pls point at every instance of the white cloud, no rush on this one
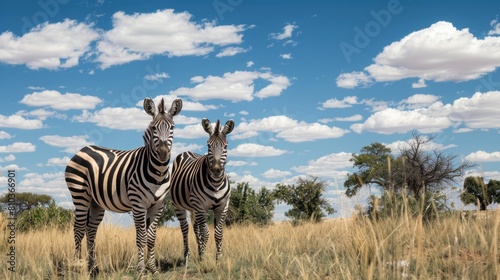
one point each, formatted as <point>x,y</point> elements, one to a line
<point>18,147</point>
<point>56,100</point>
<point>72,144</point>
<point>117,118</point>
<point>6,169</point>
<point>391,121</point>
<point>496,27</point>
<point>478,112</point>
<point>347,102</point>
<point>17,121</point>
<point>236,86</point>
<point>159,77</point>
<point>42,114</point>
<point>250,63</point>
<point>179,147</point>
<point>310,132</point>
<point>482,156</point>
<point>10,157</point>
<point>286,55</point>
<point>231,51</point>
<point>420,100</point>
<point>439,53</point>
<point>5,135</point>
<point>190,132</point>
<point>419,84</point>
<point>331,165</point>
<point>287,32</point>
<point>273,173</point>
<point>353,79</point>
<point>57,161</point>
<point>353,118</point>
<point>254,182</point>
<point>164,32</point>
<point>255,150</point>
<point>49,183</point>
<point>51,46</point>
<point>238,163</point>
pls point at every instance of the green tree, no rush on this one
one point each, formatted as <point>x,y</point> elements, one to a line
<point>168,213</point>
<point>248,206</point>
<point>20,202</point>
<point>477,192</point>
<point>305,198</point>
<point>372,164</point>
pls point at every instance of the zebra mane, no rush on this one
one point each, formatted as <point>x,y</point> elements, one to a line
<point>216,128</point>
<point>161,107</point>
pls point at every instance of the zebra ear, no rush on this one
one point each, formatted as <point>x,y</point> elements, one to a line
<point>228,127</point>
<point>176,107</point>
<point>217,127</point>
<point>149,107</point>
<point>207,126</point>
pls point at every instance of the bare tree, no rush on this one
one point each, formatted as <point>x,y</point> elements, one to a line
<point>423,169</point>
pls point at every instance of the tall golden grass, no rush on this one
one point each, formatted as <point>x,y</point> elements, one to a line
<point>452,247</point>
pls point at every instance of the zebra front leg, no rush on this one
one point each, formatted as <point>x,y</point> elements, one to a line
<point>184,225</point>
<point>153,215</point>
<point>81,216</point>
<point>94,218</point>
<point>219,219</point>
<point>203,232</point>
<point>139,215</point>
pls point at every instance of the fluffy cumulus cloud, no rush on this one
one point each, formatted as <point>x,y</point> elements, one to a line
<point>59,101</point>
<point>425,113</point>
<point>419,100</point>
<point>273,173</point>
<point>164,32</point>
<point>231,51</point>
<point>347,102</point>
<point>18,147</point>
<point>288,129</point>
<point>438,53</point>
<point>51,46</point>
<point>255,150</point>
<point>72,144</point>
<point>305,132</point>
<point>235,86</point>
<point>17,121</point>
<point>482,156</point>
<point>331,166</point>
<point>392,120</point>
<point>49,183</point>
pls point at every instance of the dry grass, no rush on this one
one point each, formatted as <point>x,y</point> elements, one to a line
<point>454,247</point>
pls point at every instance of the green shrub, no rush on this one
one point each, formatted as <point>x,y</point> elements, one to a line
<point>44,217</point>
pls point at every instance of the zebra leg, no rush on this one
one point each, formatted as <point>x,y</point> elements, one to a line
<point>220,216</point>
<point>153,215</point>
<point>139,215</point>
<point>182,217</point>
<point>203,232</point>
<point>81,216</point>
<point>95,216</point>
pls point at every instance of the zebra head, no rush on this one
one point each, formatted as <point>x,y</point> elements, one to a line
<point>160,133</point>
<point>217,145</point>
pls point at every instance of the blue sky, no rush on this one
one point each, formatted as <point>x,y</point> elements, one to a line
<point>307,83</point>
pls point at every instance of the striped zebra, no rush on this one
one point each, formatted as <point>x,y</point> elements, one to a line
<point>199,184</point>
<point>137,180</point>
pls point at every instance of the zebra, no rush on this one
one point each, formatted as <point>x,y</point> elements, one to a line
<point>136,180</point>
<point>199,183</point>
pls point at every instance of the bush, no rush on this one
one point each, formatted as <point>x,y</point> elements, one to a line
<point>39,217</point>
<point>399,204</point>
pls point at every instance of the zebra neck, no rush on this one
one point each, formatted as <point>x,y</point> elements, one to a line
<point>211,181</point>
<point>157,170</point>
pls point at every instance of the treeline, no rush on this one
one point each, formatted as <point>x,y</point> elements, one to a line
<point>411,181</point>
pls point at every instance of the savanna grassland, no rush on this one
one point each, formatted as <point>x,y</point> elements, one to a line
<point>453,247</point>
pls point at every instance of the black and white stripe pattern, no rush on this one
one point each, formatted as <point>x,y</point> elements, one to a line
<point>199,184</point>
<point>137,180</point>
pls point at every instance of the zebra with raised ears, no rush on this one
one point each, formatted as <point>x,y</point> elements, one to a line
<point>137,180</point>
<point>199,184</point>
